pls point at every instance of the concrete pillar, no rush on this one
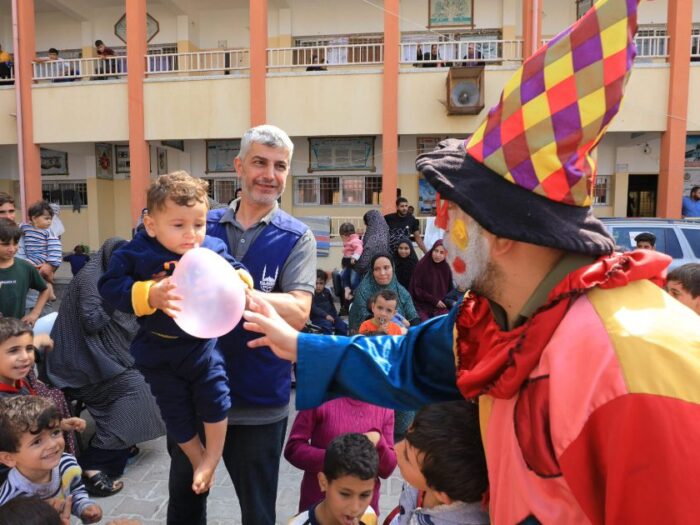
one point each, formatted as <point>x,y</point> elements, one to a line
<point>258,62</point>
<point>672,161</point>
<point>136,64</point>
<point>390,105</point>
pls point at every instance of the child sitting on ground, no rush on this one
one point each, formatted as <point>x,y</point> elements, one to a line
<point>323,312</point>
<point>41,247</point>
<point>350,468</point>
<point>383,306</point>
<point>187,375</point>
<point>77,259</point>
<point>683,283</point>
<point>31,444</point>
<point>314,429</point>
<point>352,250</point>
<point>443,464</point>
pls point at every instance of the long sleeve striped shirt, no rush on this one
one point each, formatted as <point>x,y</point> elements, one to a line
<point>41,246</point>
<point>66,480</point>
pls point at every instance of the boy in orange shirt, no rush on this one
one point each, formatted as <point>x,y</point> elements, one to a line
<point>383,305</point>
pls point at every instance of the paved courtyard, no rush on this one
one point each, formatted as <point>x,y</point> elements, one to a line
<point>145,494</point>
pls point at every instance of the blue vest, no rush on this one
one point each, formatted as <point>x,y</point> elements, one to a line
<point>257,376</point>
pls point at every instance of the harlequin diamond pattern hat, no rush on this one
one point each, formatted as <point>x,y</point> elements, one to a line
<point>527,172</point>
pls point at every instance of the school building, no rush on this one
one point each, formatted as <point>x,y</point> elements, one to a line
<point>361,86</point>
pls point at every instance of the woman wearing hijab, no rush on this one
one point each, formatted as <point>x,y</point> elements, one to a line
<point>431,282</point>
<point>91,363</point>
<point>382,276</point>
<point>405,261</point>
<point>374,241</point>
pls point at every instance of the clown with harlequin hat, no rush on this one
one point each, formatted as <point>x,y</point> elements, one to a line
<point>587,374</point>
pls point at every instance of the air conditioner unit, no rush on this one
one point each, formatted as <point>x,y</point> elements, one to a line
<point>465,90</point>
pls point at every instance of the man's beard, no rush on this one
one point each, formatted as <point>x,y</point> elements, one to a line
<point>259,198</point>
<point>482,274</point>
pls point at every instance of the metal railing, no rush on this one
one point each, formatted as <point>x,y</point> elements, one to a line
<point>80,68</point>
<point>216,61</point>
<point>359,224</point>
<point>460,52</point>
<point>320,58</point>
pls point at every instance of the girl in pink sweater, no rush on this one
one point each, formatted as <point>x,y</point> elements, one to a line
<point>314,429</point>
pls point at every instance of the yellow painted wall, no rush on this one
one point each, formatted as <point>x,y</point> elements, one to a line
<point>326,104</point>
<point>202,108</point>
<point>122,205</point>
<point>78,228</point>
<point>693,123</point>
<point>422,94</point>
<point>8,120</point>
<point>81,112</point>
<point>645,104</point>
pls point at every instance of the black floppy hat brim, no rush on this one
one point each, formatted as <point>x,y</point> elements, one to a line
<point>508,210</point>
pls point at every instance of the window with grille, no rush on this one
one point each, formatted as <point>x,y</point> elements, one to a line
<point>223,190</point>
<point>65,193</point>
<point>347,190</point>
<point>582,6</point>
<point>602,193</point>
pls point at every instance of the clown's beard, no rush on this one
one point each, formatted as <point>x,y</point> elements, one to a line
<point>482,274</point>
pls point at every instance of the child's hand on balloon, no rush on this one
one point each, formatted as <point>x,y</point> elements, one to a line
<point>162,296</point>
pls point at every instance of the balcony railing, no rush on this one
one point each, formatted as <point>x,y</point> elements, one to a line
<point>461,52</point>
<point>80,68</point>
<point>220,61</point>
<point>320,58</point>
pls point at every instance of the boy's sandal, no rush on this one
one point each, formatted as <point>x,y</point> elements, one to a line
<point>101,485</point>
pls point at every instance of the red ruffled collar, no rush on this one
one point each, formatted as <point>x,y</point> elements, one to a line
<point>495,362</point>
<point>21,388</point>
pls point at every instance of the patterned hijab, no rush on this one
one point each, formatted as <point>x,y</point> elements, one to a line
<point>374,241</point>
<point>91,340</point>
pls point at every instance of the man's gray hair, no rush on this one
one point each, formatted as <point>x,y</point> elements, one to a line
<point>267,135</point>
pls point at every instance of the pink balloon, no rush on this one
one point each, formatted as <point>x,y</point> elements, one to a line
<point>213,296</point>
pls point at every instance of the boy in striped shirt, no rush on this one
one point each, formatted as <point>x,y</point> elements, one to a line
<point>31,444</point>
<point>41,247</point>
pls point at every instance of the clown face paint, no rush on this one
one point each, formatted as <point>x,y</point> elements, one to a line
<point>468,253</point>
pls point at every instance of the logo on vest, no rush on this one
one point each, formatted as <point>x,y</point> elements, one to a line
<point>267,283</point>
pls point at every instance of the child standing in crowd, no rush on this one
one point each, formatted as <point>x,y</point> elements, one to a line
<point>77,259</point>
<point>314,429</point>
<point>352,250</point>
<point>383,306</point>
<point>323,312</point>
<point>41,246</point>
<point>683,284</point>
<point>350,468</point>
<point>31,444</point>
<point>187,375</point>
<point>443,464</point>
<point>17,277</point>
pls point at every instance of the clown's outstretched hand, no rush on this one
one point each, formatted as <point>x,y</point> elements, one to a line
<point>262,318</point>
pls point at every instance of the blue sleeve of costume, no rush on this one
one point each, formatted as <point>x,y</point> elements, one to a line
<point>402,372</point>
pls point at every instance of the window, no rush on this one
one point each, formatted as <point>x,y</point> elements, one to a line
<point>693,237</point>
<point>602,192</point>
<point>350,190</point>
<point>223,190</point>
<point>65,193</point>
<point>666,239</point>
<point>341,153</point>
<point>582,6</point>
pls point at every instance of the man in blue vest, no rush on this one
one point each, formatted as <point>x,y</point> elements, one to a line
<point>280,253</point>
